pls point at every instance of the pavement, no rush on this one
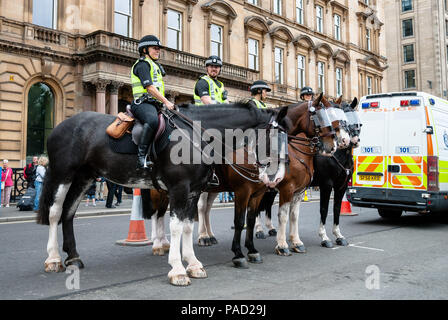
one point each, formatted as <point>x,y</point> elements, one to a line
<point>13,214</point>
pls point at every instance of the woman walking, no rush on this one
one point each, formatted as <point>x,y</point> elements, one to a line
<point>40,174</point>
<point>6,184</point>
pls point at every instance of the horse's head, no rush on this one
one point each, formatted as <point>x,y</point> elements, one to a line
<point>311,118</point>
<point>339,122</point>
<point>354,122</point>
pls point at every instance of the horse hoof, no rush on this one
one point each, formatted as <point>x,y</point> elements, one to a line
<point>181,280</point>
<point>282,252</point>
<point>299,249</point>
<point>254,258</point>
<point>74,262</point>
<point>166,247</point>
<point>213,240</point>
<point>158,251</point>
<point>272,232</point>
<point>240,263</point>
<point>54,267</point>
<point>198,273</point>
<point>204,242</point>
<point>260,235</point>
<point>341,242</point>
<point>327,244</point>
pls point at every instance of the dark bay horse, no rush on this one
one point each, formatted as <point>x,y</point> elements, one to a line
<point>79,151</point>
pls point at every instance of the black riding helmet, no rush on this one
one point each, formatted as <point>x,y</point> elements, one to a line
<point>213,61</point>
<point>258,86</point>
<point>148,41</point>
<point>306,90</point>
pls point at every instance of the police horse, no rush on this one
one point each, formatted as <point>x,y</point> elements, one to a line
<point>79,150</point>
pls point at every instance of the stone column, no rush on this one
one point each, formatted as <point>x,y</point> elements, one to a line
<point>114,86</point>
<point>101,85</point>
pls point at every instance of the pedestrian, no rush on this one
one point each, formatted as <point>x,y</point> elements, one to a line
<point>7,183</point>
<point>99,190</point>
<point>223,197</point>
<point>91,194</point>
<point>112,188</point>
<point>40,175</point>
<point>231,196</point>
<point>29,172</point>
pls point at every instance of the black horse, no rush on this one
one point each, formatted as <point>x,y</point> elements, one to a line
<point>79,150</point>
<point>334,173</point>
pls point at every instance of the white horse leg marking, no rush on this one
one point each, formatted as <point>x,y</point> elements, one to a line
<point>195,268</point>
<point>337,232</point>
<point>153,229</point>
<point>159,245</point>
<point>55,215</point>
<point>202,208</point>
<point>210,199</point>
<point>163,238</point>
<point>178,274</point>
<point>268,223</point>
<point>282,222</point>
<point>323,233</point>
<point>258,226</point>
<point>294,220</point>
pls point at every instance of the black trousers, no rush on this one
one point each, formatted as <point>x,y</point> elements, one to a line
<point>146,113</point>
<point>112,188</point>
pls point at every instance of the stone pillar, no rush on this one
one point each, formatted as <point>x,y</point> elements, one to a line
<point>114,86</point>
<point>101,85</point>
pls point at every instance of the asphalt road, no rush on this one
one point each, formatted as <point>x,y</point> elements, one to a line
<point>404,259</point>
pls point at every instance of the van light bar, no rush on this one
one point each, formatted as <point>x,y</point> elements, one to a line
<point>406,103</point>
<point>365,105</point>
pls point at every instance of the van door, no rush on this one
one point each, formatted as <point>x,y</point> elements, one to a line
<point>406,161</point>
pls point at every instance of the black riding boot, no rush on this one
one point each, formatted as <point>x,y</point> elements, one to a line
<point>145,141</point>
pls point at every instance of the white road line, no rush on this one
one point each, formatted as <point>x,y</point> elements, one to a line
<point>357,245</point>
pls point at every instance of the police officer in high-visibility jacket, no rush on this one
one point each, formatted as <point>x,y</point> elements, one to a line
<point>148,90</point>
<point>208,89</point>
<point>259,91</point>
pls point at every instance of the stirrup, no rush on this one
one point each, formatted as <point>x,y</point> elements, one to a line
<point>214,181</point>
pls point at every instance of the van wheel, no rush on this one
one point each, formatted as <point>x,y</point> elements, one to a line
<point>390,213</point>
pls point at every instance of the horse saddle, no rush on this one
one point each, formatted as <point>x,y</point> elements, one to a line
<point>129,141</point>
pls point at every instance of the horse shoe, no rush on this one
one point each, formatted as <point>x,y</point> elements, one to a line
<point>260,235</point>
<point>299,249</point>
<point>282,252</point>
<point>74,262</point>
<point>254,258</point>
<point>341,242</point>
<point>272,232</point>
<point>327,244</point>
<point>240,263</point>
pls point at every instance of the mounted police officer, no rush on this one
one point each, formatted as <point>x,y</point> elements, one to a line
<point>259,91</point>
<point>148,90</point>
<point>306,94</point>
<point>208,89</point>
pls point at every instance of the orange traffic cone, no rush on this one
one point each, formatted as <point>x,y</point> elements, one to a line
<point>346,208</point>
<point>137,234</point>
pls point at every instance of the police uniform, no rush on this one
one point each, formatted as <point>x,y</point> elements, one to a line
<point>257,88</point>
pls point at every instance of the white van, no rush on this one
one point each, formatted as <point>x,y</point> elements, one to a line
<point>402,160</point>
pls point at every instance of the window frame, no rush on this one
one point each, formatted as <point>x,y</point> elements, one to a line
<point>413,53</point>
<point>408,10</point>
<point>129,19</point>
<point>221,47</point>
<point>321,77</point>
<point>301,72</point>
<point>256,55</point>
<point>339,81</point>
<point>300,12</point>
<point>368,39</point>
<point>54,22</point>
<point>279,5</point>
<point>281,66</point>
<point>179,39</point>
<point>319,19</point>
<point>406,87</point>
<point>337,28</point>
<point>369,83</point>
<point>402,27</point>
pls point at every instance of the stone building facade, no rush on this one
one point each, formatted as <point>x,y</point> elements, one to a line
<point>418,46</point>
<point>62,57</point>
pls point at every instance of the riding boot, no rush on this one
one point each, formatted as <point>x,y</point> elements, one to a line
<point>145,141</point>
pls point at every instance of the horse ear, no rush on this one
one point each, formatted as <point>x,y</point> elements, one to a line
<point>339,100</point>
<point>325,102</point>
<point>318,99</point>
<point>354,103</point>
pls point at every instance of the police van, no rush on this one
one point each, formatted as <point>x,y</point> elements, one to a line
<point>401,163</point>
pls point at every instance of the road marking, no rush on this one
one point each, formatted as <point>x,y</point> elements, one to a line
<point>356,245</point>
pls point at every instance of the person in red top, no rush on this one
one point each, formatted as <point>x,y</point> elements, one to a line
<point>29,172</point>
<point>6,184</point>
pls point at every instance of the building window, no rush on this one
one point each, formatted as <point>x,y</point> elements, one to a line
<point>253,54</point>
<point>321,76</point>
<point>406,5</point>
<point>338,82</point>
<point>408,53</point>
<point>299,11</point>
<point>278,61</point>
<point>369,85</point>
<point>41,105</point>
<point>409,79</point>
<point>368,40</point>
<point>123,17</point>
<point>446,28</point>
<point>278,7</point>
<point>254,2</point>
<point>367,2</point>
<point>408,30</point>
<point>319,19</point>
<point>45,13</point>
<point>216,40</point>
<point>174,32</point>
<point>300,71</point>
<point>337,27</point>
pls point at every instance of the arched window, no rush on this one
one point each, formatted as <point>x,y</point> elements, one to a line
<point>41,103</point>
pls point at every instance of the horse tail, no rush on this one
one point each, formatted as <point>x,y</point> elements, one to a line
<point>147,205</point>
<point>46,200</point>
